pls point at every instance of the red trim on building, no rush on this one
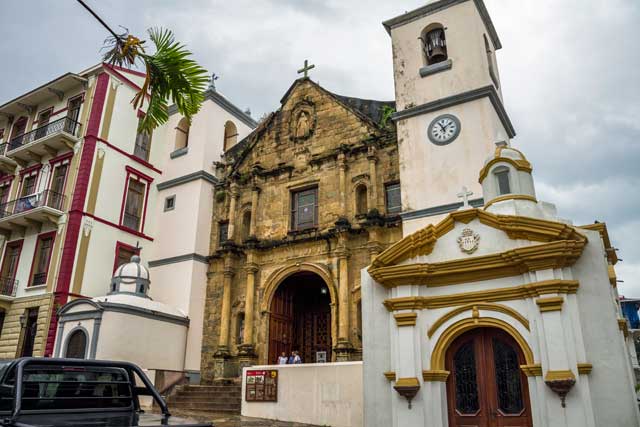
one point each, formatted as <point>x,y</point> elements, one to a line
<point>120,245</point>
<point>139,176</point>
<point>131,156</point>
<point>30,169</point>
<point>35,254</point>
<point>77,206</point>
<point>127,70</point>
<point>119,75</point>
<point>6,178</point>
<point>19,243</point>
<point>61,158</point>
<point>119,227</point>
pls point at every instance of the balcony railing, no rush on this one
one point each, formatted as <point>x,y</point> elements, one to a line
<point>8,286</point>
<point>39,279</point>
<point>64,124</point>
<point>23,204</point>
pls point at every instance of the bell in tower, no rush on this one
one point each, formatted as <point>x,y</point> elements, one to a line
<point>435,46</point>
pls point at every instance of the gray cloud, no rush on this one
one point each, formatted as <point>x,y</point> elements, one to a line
<point>568,69</point>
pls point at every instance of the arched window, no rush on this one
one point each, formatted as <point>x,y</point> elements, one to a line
<point>361,199</point>
<point>182,134</point>
<point>76,345</point>
<point>502,180</point>
<point>230,135</point>
<point>246,224</point>
<point>434,44</point>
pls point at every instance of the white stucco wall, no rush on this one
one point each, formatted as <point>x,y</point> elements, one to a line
<point>149,343</point>
<point>464,31</point>
<point>327,394</point>
<point>584,331</point>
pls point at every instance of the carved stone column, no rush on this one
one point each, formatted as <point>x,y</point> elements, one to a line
<point>343,347</point>
<point>247,349</point>
<point>373,178</point>
<point>254,210</point>
<point>222,354</point>
<point>233,192</point>
<point>342,164</point>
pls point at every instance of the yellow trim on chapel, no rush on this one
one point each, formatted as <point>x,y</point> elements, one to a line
<point>534,370</point>
<point>561,375</point>
<point>550,304</point>
<point>510,263</point>
<point>423,241</point>
<point>406,319</point>
<point>529,290</point>
<point>439,376</point>
<point>585,368</point>
<point>521,165</point>
<point>389,375</point>
<point>462,326</point>
<point>475,307</point>
<point>510,197</point>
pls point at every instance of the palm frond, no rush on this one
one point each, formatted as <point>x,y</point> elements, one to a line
<point>171,75</point>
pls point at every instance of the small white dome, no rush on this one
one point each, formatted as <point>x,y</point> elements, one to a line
<point>504,151</point>
<point>131,278</point>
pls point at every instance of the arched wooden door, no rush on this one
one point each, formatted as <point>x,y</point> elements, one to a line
<point>486,387</point>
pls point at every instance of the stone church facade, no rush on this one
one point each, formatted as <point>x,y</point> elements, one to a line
<point>302,206</point>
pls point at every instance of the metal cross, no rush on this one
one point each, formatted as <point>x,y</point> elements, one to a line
<point>212,81</point>
<point>306,68</point>
<point>464,195</point>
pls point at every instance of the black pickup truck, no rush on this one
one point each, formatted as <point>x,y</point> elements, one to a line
<point>39,392</point>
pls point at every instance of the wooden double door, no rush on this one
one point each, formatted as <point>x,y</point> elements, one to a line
<point>300,319</point>
<point>486,387</point>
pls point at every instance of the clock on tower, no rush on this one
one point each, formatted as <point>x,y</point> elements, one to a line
<point>449,105</point>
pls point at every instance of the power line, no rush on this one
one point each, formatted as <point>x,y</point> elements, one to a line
<point>95,15</point>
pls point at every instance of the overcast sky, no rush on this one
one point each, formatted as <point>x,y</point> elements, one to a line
<point>569,69</point>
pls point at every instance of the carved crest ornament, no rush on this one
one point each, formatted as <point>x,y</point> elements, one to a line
<point>468,241</point>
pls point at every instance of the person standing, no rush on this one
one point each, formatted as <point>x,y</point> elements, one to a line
<point>296,358</point>
<point>282,360</point>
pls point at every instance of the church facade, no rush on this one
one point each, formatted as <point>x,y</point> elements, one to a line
<point>303,204</point>
<point>500,312</point>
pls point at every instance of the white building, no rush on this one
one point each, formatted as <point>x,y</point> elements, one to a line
<point>81,192</point>
<point>502,314</point>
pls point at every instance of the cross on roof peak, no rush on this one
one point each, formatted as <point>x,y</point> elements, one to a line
<point>464,195</point>
<point>306,68</point>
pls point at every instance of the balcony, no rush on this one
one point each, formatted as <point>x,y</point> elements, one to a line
<point>7,165</point>
<point>8,287</point>
<point>46,206</point>
<point>48,139</point>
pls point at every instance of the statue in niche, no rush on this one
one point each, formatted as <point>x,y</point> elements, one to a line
<point>303,127</point>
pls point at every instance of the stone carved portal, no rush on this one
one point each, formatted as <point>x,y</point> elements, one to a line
<point>303,120</point>
<point>486,386</point>
<point>300,318</point>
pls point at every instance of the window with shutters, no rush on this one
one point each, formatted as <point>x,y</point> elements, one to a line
<point>223,232</point>
<point>29,184</point>
<point>124,252</point>
<point>58,181</point>
<point>393,198</point>
<point>142,147</point>
<point>304,209</point>
<point>41,260</point>
<point>134,203</point>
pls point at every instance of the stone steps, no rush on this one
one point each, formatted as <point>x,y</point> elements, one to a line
<point>224,398</point>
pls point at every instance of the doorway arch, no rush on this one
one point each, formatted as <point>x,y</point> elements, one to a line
<point>486,385</point>
<point>76,345</point>
<point>301,317</point>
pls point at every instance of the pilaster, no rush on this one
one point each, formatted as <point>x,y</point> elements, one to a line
<point>343,347</point>
<point>233,192</point>
<point>247,354</point>
<point>255,196</point>
<point>373,178</point>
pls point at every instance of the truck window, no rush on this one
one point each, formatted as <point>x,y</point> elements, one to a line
<point>68,388</point>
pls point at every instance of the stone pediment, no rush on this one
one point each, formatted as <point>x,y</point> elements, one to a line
<point>312,123</point>
<point>552,245</point>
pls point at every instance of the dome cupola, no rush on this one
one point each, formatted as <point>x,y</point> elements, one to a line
<point>506,175</point>
<point>131,278</point>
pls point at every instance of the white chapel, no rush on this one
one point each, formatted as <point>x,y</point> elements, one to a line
<point>492,311</point>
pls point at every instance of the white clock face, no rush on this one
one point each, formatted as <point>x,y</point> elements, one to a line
<point>444,129</point>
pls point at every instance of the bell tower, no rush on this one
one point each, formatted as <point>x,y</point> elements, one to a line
<point>449,104</point>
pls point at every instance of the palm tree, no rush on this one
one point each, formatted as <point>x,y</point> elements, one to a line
<point>170,75</point>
